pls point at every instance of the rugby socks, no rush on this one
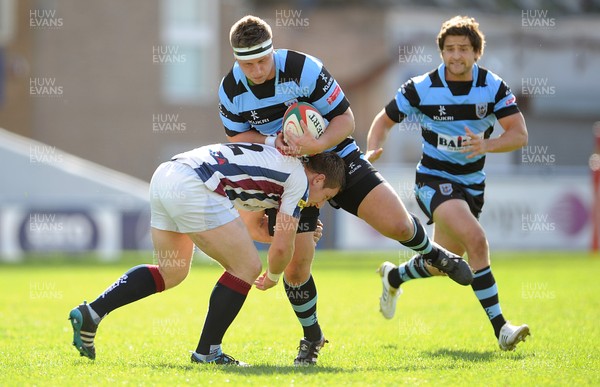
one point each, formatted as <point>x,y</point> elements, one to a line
<point>420,241</point>
<point>304,302</point>
<point>226,300</point>
<point>137,283</point>
<point>486,291</point>
<point>412,269</point>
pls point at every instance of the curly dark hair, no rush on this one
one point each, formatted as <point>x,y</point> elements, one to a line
<point>463,26</point>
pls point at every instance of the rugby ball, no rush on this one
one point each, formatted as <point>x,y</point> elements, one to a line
<point>307,113</point>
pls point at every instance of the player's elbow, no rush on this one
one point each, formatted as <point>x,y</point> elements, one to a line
<point>350,124</point>
<point>524,139</point>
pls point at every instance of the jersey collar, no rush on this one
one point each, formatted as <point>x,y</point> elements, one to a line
<point>442,74</point>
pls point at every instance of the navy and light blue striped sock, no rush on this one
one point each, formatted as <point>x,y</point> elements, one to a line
<point>420,242</point>
<point>412,269</point>
<point>304,302</point>
<point>486,291</point>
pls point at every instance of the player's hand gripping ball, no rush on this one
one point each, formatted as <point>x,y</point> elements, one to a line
<point>307,113</point>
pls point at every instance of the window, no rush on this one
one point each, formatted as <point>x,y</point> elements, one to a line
<point>189,51</point>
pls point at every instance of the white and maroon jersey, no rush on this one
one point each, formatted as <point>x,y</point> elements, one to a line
<point>254,177</point>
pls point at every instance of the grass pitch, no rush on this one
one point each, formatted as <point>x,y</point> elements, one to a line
<point>439,336</point>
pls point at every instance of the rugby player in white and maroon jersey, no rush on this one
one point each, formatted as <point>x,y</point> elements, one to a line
<point>194,199</point>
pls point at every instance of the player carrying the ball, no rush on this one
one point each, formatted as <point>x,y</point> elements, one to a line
<point>253,98</point>
<point>457,105</point>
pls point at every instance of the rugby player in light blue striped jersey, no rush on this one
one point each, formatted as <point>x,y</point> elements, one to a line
<point>456,105</point>
<point>253,98</point>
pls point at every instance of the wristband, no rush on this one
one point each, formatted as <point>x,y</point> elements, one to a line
<point>273,277</point>
<point>270,141</point>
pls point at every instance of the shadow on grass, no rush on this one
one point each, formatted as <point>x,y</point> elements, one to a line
<point>473,356</point>
<point>254,369</point>
<point>458,357</point>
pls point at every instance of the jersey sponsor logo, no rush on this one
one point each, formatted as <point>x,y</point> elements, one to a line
<point>327,80</point>
<point>511,100</point>
<point>334,95</point>
<point>222,111</point>
<point>443,115</point>
<point>353,167</point>
<point>219,157</point>
<point>481,110</point>
<point>446,189</point>
<point>301,203</point>
<point>290,102</point>
<point>256,120</point>
<point>451,143</point>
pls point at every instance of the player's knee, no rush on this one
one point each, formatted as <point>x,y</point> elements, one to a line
<point>402,230</point>
<point>255,268</point>
<point>174,275</point>
<point>247,269</point>
<point>480,241</point>
<point>478,245</point>
<point>295,274</point>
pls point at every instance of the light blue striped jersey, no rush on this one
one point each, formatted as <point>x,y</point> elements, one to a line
<point>299,77</point>
<point>443,109</point>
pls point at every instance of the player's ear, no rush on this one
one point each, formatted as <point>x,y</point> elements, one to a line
<point>319,179</point>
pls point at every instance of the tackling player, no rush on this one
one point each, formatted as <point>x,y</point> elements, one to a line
<point>193,200</point>
<point>253,98</point>
<point>457,105</point>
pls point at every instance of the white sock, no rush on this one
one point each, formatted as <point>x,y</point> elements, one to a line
<point>214,352</point>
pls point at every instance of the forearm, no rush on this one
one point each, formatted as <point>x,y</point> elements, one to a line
<point>507,142</point>
<point>278,259</point>
<point>339,128</point>
<point>282,244</point>
<point>514,137</point>
<point>377,136</point>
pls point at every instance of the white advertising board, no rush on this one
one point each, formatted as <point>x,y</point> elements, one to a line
<point>520,213</point>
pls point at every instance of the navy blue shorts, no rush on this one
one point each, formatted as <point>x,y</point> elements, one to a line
<point>431,191</point>
<point>308,220</point>
<point>361,178</point>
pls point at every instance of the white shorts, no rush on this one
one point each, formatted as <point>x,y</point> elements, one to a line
<point>181,202</point>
